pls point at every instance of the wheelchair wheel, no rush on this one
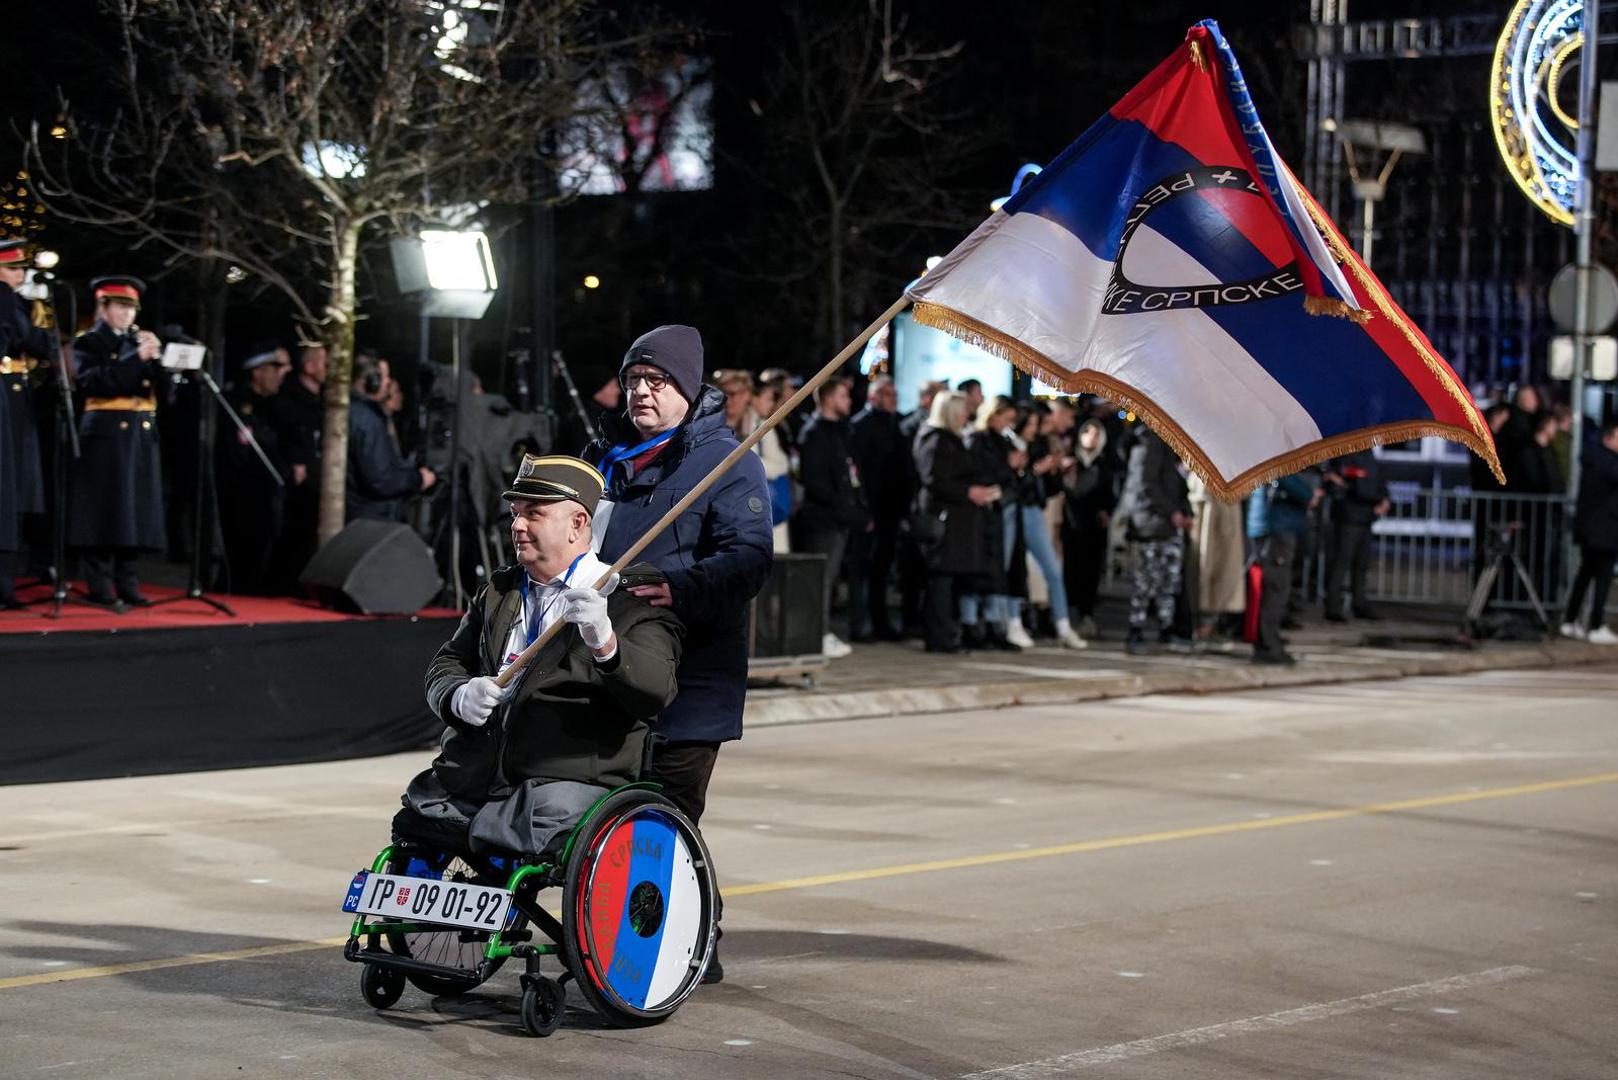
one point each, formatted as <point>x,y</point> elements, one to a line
<point>543,1003</point>
<point>380,986</point>
<point>638,909</point>
<point>449,947</point>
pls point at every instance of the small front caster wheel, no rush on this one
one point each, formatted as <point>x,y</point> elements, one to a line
<point>543,1001</point>
<point>381,986</point>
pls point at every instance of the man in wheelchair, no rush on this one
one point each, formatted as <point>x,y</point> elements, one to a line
<point>519,766</point>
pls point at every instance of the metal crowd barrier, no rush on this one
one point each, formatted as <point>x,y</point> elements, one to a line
<point>1432,544</point>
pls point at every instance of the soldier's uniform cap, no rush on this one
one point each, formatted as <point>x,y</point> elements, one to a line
<point>118,287</point>
<point>553,477</point>
<point>14,253</point>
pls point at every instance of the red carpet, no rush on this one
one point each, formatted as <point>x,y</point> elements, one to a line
<point>250,610</point>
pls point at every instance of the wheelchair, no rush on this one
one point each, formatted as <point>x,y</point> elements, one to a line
<point>636,931</point>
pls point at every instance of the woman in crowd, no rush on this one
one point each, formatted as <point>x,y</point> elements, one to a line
<point>989,614</point>
<point>950,522</point>
<point>1037,485</point>
<point>746,405</point>
<point>1091,487</point>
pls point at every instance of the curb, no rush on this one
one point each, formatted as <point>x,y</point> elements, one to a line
<point>812,708</point>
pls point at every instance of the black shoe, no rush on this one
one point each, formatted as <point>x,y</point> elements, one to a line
<point>1135,643</point>
<point>994,639</point>
<point>134,599</point>
<point>950,649</point>
<point>971,637</point>
<point>1336,617</point>
<point>863,638</point>
<point>715,971</point>
<point>1291,623</point>
<point>888,633</point>
<point>105,600</point>
<point>1275,659</point>
<point>1368,614</point>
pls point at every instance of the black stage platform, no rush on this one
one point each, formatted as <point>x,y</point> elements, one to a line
<point>128,697</point>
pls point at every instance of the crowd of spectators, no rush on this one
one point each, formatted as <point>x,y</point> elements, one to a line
<point>975,523</point>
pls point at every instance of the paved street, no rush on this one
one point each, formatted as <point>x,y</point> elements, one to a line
<point>1410,878</point>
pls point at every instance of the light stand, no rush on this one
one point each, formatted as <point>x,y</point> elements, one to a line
<point>453,274</point>
<point>67,442</point>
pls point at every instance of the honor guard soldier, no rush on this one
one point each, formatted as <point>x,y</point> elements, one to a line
<point>116,505</point>
<point>23,347</point>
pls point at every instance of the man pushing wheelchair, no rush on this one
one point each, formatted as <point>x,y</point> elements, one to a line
<point>536,785</point>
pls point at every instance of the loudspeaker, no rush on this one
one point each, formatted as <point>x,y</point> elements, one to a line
<point>374,567</point>
<point>787,617</point>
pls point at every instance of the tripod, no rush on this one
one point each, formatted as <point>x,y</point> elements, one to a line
<point>1503,556</point>
<point>205,442</point>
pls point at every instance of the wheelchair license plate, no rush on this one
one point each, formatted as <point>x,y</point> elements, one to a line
<point>452,903</point>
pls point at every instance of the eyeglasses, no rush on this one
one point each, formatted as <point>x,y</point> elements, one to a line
<point>654,380</point>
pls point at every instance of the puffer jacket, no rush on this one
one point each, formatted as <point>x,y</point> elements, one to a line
<point>716,556</point>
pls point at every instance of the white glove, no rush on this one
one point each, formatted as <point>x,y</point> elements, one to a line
<point>473,701</point>
<point>587,609</point>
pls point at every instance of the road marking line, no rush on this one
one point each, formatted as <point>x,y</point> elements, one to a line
<point>1111,842</point>
<point>1253,1025</point>
<point>189,960</point>
<point>1104,844</point>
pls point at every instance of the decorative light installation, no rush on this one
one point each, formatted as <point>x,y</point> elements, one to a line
<point>1537,136</point>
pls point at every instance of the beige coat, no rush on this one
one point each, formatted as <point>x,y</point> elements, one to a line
<point>1216,552</point>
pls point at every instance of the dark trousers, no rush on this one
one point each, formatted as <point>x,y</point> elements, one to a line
<point>684,769</point>
<point>1084,558</point>
<point>1595,570</point>
<point>870,561</point>
<point>1277,553</point>
<point>110,571</point>
<point>1348,549</point>
<point>832,543</point>
<point>912,583</point>
<point>938,611</point>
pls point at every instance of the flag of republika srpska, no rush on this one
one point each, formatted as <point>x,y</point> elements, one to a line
<point>1169,261</point>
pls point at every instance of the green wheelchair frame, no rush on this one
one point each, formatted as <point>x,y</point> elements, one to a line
<point>386,971</point>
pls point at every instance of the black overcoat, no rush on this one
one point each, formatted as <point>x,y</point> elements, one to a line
<point>116,495</point>
<point>945,472</point>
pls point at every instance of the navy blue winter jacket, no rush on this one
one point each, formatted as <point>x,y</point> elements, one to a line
<point>716,557</point>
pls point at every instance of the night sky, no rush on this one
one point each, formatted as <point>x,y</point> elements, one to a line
<point>1031,77</point>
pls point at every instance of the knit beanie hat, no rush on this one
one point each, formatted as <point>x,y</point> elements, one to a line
<point>675,349</point>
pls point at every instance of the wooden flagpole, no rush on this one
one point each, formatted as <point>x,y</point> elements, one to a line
<point>832,366</point>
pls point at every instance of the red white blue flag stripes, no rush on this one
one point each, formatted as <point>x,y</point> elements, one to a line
<point>1170,261</point>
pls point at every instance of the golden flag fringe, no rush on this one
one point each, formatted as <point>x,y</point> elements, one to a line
<point>1039,366</point>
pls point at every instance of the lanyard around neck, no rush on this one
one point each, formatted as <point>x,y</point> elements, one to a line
<point>624,452</point>
<point>531,626</point>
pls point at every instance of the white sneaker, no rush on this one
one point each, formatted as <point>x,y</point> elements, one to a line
<point>1067,638</point>
<point>1017,634</point>
<point>1602,636</point>
<point>835,647</point>
<point>1573,630</point>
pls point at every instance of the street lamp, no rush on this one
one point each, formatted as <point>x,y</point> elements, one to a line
<point>1375,137</point>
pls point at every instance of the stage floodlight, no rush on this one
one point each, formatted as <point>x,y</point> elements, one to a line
<point>452,271</point>
<point>46,260</point>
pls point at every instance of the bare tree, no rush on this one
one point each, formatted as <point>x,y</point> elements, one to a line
<point>862,146</point>
<point>271,136</point>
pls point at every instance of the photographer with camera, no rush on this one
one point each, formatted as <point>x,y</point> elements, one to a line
<point>379,476</point>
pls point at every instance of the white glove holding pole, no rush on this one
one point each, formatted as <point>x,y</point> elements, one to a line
<point>587,609</point>
<point>473,701</point>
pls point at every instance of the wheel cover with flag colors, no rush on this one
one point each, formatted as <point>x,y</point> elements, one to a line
<point>1169,261</point>
<point>644,916</point>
